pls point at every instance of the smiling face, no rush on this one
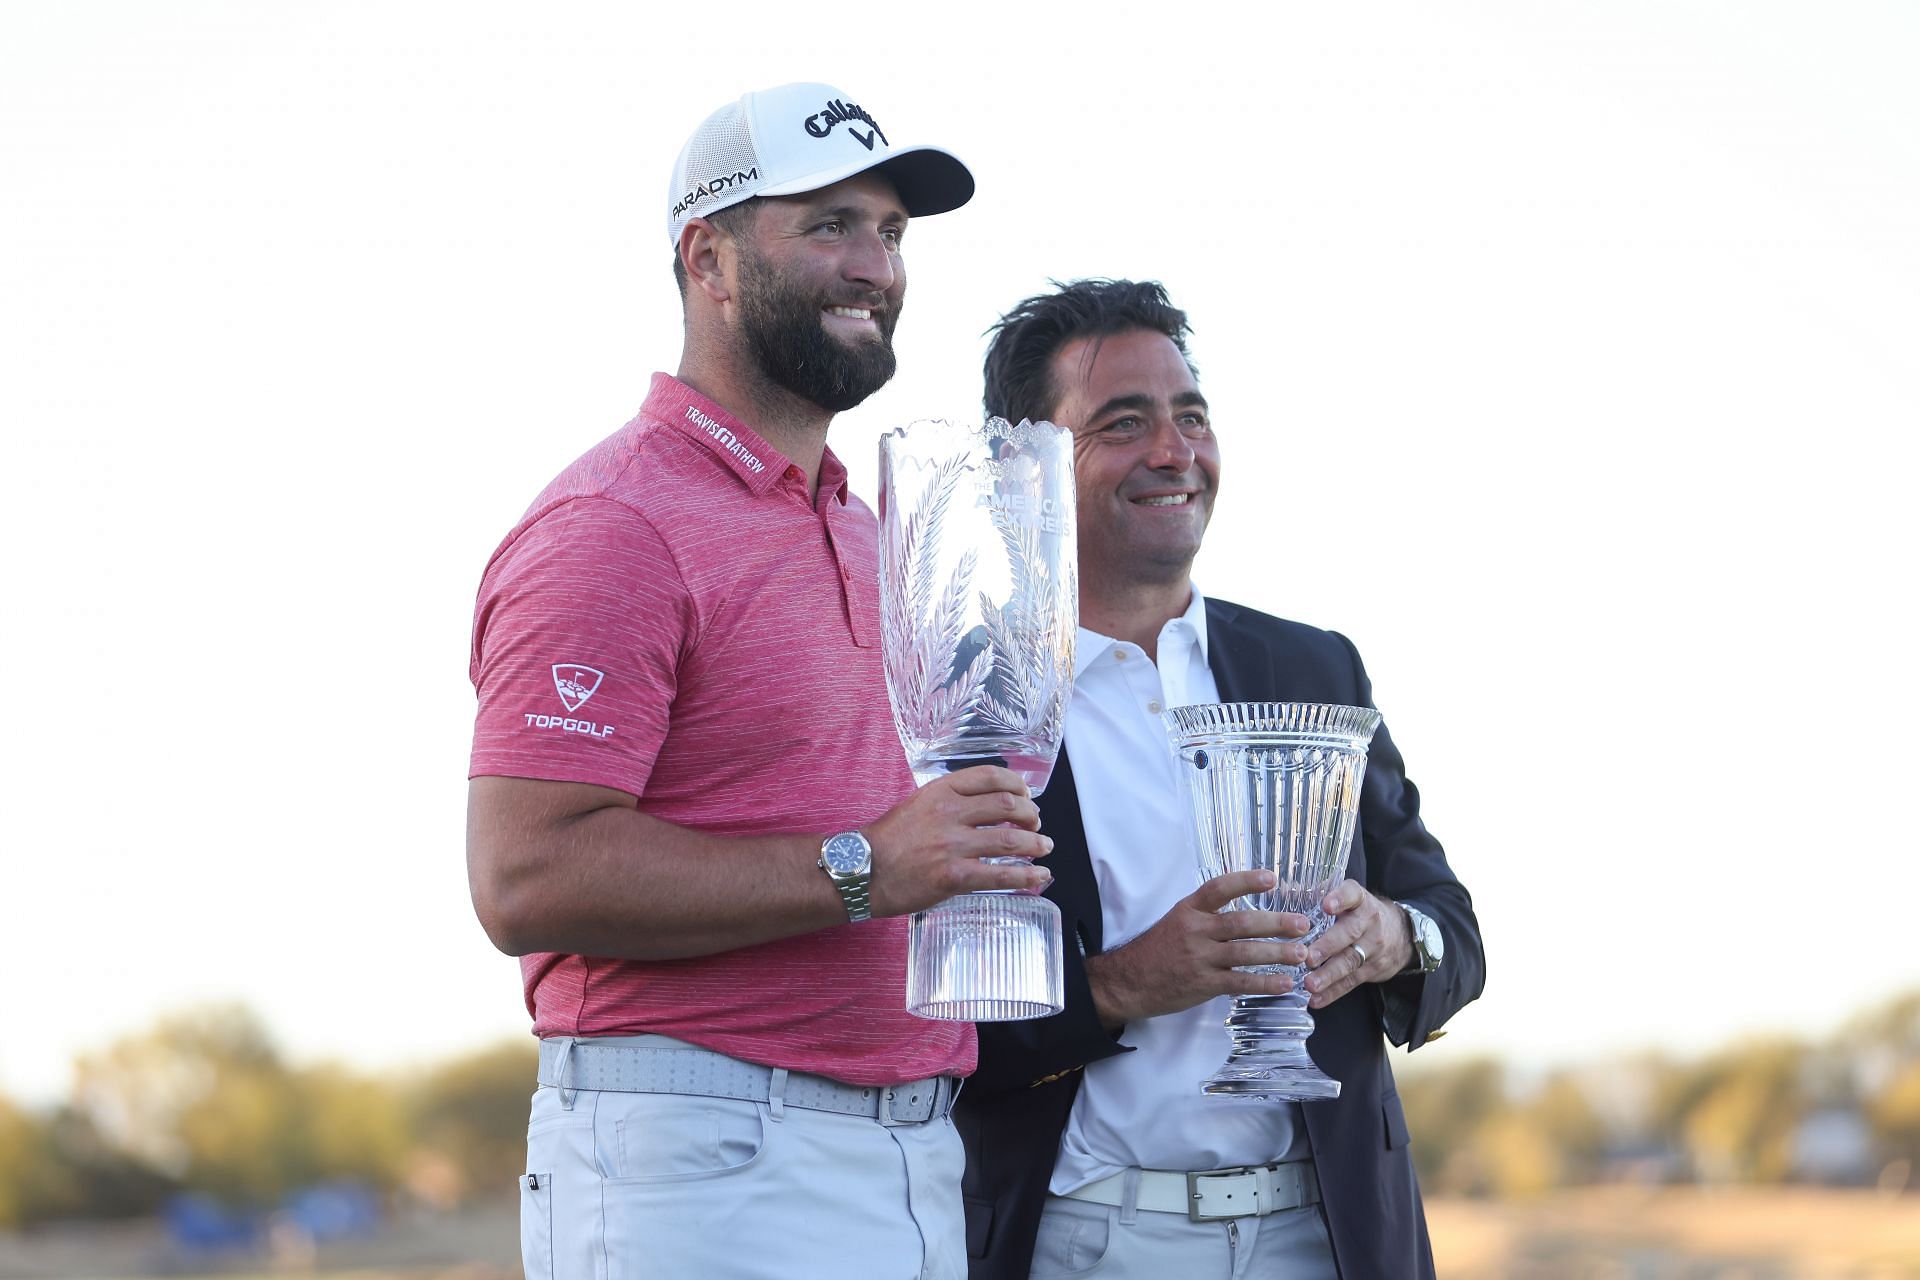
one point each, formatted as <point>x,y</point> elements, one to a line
<point>1145,461</point>
<point>820,286</point>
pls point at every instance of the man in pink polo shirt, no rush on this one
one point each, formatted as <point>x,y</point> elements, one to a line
<point>689,813</point>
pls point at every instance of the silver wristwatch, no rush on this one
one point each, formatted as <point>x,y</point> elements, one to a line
<point>848,861</point>
<point>1428,946</point>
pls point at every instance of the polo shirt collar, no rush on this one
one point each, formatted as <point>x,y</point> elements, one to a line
<point>735,445</point>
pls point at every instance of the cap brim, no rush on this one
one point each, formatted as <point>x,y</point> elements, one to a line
<point>929,179</point>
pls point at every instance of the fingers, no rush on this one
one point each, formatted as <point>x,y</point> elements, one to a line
<point>1259,984</point>
<point>982,778</point>
<point>1340,972</point>
<point>1345,896</point>
<point>1001,842</point>
<point>1219,891</point>
<point>988,807</point>
<point>1259,924</point>
<point>993,808</point>
<point>1238,953</point>
<point>1335,977</point>
<point>972,877</point>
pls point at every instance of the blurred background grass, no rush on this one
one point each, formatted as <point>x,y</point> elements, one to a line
<point>198,1146</point>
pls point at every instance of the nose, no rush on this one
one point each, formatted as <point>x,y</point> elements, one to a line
<point>1168,449</point>
<point>870,262</point>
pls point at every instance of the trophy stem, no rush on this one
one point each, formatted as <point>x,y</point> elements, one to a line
<point>1269,1057</point>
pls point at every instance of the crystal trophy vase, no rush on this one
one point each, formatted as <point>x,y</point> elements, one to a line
<point>1274,786</point>
<point>979,603</point>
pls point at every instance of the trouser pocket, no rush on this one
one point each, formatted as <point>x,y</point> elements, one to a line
<point>536,1225</point>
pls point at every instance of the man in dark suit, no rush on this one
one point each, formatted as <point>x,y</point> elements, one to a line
<point>1090,1150</point>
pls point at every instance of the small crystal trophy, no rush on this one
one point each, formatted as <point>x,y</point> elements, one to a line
<point>1274,786</point>
<point>979,604</point>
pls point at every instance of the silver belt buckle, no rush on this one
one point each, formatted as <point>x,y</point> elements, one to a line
<point>1193,1196</point>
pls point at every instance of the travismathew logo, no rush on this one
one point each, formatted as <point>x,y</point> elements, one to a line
<point>714,186</point>
<point>728,441</point>
<point>575,684</point>
<point>821,123</point>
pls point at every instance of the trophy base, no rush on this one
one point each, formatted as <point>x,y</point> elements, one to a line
<point>1269,1058</point>
<point>1279,1084</point>
<point>985,957</point>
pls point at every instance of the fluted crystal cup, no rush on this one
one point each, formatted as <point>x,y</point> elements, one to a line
<point>979,601</point>
<point>1274,786</point>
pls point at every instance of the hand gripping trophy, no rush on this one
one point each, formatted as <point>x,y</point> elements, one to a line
<point>980,600</point>
<point>1275,787</point>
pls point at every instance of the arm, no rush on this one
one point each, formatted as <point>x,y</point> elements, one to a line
<point>1186,958</point>
<point>575,868</point>
<point>1403,863</point>
<point>572,865</point>
<point>1190,954</point>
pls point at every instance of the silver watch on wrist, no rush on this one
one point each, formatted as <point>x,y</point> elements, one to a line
<point>847,859</point>
<point>1428,946</point>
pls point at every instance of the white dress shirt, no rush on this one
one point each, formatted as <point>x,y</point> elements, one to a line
<point>1145,1108</point>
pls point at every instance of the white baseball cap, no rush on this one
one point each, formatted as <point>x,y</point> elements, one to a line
<point>799,138</point>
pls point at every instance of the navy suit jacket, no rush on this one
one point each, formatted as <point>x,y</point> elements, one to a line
<point>1013,1110</point>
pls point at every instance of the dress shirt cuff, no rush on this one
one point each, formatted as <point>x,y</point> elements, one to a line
<point>1400,1005</point>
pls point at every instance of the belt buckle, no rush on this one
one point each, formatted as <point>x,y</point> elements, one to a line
<point>885,1112</point>
<point>1193,1195</point>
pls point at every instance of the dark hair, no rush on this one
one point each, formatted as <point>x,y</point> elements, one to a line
<point>735,220</point>
<point>1019,368</point>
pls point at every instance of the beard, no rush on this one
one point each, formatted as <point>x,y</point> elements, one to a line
<point>790,345</point>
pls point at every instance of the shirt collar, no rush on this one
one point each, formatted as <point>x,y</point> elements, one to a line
<point>1088,646</point>
<point>1193,621</point>
<point>735,445</point>
<point>833,477</point>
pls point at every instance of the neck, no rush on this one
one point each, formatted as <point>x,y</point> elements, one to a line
<point>794,426</point>
<point>1134,611</point>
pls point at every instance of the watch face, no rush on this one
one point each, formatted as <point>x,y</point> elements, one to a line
<point>1430,939</point>
<point>846,853</point>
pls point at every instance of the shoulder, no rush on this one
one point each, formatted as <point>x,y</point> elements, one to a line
<point>1227,619</point>
<point>640,490</point>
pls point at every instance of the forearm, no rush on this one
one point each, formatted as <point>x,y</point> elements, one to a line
<point>612,881</point>
<point>1112,981</point>
<point>578,869</point>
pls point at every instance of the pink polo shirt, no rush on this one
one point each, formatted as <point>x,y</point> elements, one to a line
<point>673,620</point>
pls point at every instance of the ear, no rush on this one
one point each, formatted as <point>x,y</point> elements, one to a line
<point>701,251</point>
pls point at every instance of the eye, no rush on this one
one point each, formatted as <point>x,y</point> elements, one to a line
<point>832,226</point>
<point>1194,424</point>
<point>892,237</point>
<point>1127,426</point>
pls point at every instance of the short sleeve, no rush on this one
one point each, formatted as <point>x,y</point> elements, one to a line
<point>582,623</point>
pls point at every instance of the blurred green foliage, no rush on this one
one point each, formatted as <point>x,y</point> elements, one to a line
<point>205,1101</point>
<point>1844,1110</point>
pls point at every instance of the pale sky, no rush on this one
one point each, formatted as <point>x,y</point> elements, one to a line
<point>1564,356</point>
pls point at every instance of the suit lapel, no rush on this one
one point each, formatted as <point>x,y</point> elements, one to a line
<point>1240,656</point>
<point>1073,889</point>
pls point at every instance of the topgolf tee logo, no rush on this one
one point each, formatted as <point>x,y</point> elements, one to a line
<point>575,683</point>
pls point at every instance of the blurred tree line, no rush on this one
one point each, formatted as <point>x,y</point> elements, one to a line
<point>1845,1111</point>
<point>205,1102</point>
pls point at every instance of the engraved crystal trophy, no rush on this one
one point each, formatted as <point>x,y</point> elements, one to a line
<point>1274,786</point>
<point>979,600</point>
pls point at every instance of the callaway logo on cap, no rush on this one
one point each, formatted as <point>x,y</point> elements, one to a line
<point>799,138</point>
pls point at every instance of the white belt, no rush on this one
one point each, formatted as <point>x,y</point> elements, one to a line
<point>570,1065</point>
<point>1212,1194</point>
